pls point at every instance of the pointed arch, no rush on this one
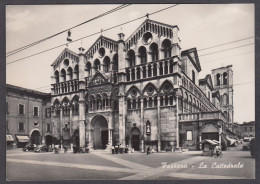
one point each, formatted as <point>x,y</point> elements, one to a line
<point>149,85</point>
<point>70,73</point>
<point>88,66</point>
<point>154,51</point>
<point>56,75</point>
<point>167,86</point>
<point>65,100</point>
<point>134,91</point>
<point>142,54</point>
<point>131,58</point>
<point>115,62</point>
<point>225,78</point>
<point>75,99</point>
<point>166,47</point>
<point>76,72</point>
<point>56,102</point>
<point>106,64</point>
<point>63,75</point>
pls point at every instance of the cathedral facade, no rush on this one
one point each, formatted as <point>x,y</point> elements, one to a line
<point>143,90</point>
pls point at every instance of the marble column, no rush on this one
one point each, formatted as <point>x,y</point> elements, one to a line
<point>177,123</point>
<point>71,125</point>
<point>142,123</point>
<point>61,126</point>
<point>159,124</point>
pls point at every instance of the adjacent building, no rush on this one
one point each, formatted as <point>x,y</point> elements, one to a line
<point>247,129</point>
<point>138,91</point>
<point>28,117</point>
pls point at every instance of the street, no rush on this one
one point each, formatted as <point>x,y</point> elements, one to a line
<point>99,165</point>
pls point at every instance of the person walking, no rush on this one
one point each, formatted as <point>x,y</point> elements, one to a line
<point>148,150</point>
<point>116,149</point>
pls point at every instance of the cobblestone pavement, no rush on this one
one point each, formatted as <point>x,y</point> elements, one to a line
<point>135,166</point>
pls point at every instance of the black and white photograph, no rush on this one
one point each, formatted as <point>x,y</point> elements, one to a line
<point>130,92</point>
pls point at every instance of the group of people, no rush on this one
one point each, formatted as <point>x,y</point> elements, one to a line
<point>119,149</point>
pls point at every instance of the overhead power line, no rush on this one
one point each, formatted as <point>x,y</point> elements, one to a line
<point>226,43</point>
<point>49,37</point>
<point>111,28</point>
<point>226,49</point>
<point>92,34</point>
<point>217,59</point>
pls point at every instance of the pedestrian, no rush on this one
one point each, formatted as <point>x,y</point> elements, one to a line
<point>148,150</point>
<point>116,149</point>
<point>126,149</point>
<point>113,149</point>
<point>120,149</point>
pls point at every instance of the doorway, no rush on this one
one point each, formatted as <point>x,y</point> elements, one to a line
<point>100,133</point>
<point>36,137</point>
<point>135,139</point>
<point>48,140</point>
<point>76,138</point>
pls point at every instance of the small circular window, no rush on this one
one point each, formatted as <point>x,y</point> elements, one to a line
<point>66,62</point>
<point>101,52</point>
<point>147,38</point>
<point>167,88</point>
<point>134,93</point>
<point>150,90</point>
<point>36,124</point>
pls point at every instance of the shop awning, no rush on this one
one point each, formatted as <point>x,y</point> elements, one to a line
<point>232,141</point>
<point>23,138</point>
<point>212,142</point>
<point>9,138</point>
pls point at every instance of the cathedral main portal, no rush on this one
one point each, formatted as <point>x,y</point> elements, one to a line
<point>100,132</point>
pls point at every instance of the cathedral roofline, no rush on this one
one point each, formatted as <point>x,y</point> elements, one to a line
<point>101,36</point>
<point>195,61</point>
<point>64,50</point>
<point>150,21</point>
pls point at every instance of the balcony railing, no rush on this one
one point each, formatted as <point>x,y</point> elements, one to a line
<point>66,87</point>
<point>202,116</point>
<point>153,69</point>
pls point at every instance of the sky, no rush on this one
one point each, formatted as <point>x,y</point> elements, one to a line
<point>201,26</point>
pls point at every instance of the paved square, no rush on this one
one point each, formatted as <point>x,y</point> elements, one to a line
<point>135,166</point>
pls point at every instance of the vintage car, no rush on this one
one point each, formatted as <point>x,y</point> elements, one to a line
<point>29,147</point>
<point>77,149</point>
<point>43,148</point>
<point>246,143</point>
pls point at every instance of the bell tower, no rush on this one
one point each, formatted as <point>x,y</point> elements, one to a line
<point>223,82</point>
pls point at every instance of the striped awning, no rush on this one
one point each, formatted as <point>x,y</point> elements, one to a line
<point>9,138</point>
<point>23,138</point>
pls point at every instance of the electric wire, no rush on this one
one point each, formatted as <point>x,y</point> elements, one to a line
<point>90,35</point>
<point>225,43</point>
<point>226,49</point>
<point>49,37</point>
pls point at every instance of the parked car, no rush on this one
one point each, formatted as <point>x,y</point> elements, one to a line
<point>77,149</point>
<point>252,147</point>
<point>43,148</point>
<point>29,147</point>
<point>246,143</point>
